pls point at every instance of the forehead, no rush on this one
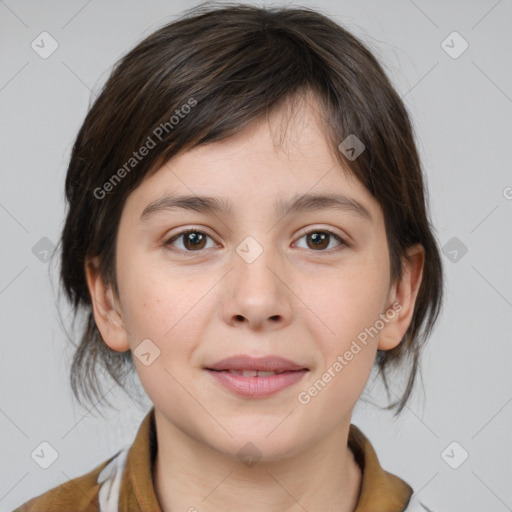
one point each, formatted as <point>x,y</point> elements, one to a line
<point>269,162</point>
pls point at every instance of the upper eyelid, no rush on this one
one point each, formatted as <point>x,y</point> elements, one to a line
<point>306,230</point>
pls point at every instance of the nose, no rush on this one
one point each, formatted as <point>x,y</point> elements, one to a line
<point>257,292</point>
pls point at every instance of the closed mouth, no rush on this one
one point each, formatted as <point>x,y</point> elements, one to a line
<point>255,373</point>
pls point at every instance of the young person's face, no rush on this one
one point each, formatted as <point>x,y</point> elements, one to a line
<point>252,283</point>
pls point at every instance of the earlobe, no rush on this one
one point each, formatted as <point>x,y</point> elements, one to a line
<point>402,298</point>
<point>107,314</point>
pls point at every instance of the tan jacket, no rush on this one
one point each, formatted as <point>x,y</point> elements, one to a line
<point>124,482</point>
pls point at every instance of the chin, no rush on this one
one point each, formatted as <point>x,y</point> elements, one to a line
<point>261,444</point>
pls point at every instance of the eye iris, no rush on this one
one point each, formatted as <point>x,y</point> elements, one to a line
<point>318,239</point>
<point>195,239</point>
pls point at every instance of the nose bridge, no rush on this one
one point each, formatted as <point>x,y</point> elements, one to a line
<point>256,263</point>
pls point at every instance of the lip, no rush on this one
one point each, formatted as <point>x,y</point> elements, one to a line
<point>256,387</point>
<point>265,364</point>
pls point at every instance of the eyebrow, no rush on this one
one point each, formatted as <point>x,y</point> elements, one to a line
<point>299,203</point>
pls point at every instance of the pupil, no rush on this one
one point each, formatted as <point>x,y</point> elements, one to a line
<point>318,238</point>
<point>194,238</point>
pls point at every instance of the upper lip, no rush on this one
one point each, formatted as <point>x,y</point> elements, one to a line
<point>264,364</point>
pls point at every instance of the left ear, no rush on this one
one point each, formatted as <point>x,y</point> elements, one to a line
<point>402,297</point>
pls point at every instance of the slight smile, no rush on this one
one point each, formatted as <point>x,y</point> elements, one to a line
<point>256,377</point>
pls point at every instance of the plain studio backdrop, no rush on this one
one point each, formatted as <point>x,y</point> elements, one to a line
<point>450,62</point>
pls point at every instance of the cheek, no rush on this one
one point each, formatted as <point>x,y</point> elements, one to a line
<point>165,315</point>
<point>350,301</point>
<point>163,307</point>
<point>347,352</point>
<point>347,312</point>
<point>334,392</point>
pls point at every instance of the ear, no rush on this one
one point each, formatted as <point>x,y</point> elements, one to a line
<point>107,313</point>
<point>402,297</point>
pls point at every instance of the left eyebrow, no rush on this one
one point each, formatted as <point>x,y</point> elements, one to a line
<point>298,203</point>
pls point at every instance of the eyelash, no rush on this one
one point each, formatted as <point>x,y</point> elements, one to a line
<point>169,241</point>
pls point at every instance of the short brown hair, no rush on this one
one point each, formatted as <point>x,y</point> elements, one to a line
<point>239,62</point>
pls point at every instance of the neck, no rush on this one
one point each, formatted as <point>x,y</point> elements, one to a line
<point>191,476</point>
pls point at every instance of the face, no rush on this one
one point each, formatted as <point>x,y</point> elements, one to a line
<point>197,286</point>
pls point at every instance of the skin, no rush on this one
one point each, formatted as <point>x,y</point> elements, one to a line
<point>297,301</point>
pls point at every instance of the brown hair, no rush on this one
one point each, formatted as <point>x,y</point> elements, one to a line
<point>232,63</point>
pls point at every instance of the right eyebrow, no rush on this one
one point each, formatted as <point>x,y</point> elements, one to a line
<point>201,204</point>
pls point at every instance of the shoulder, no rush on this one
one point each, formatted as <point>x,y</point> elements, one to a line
<point>77,494</point>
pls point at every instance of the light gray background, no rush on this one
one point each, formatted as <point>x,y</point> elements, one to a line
<point>461,109</point>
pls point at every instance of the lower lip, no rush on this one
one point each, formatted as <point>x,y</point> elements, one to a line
<point>256,387</point>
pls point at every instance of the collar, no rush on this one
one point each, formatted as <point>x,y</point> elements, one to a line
<point>381,491</point>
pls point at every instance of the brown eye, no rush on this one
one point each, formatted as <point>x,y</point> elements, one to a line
<point>192,240</point>
<point>319,240</point>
